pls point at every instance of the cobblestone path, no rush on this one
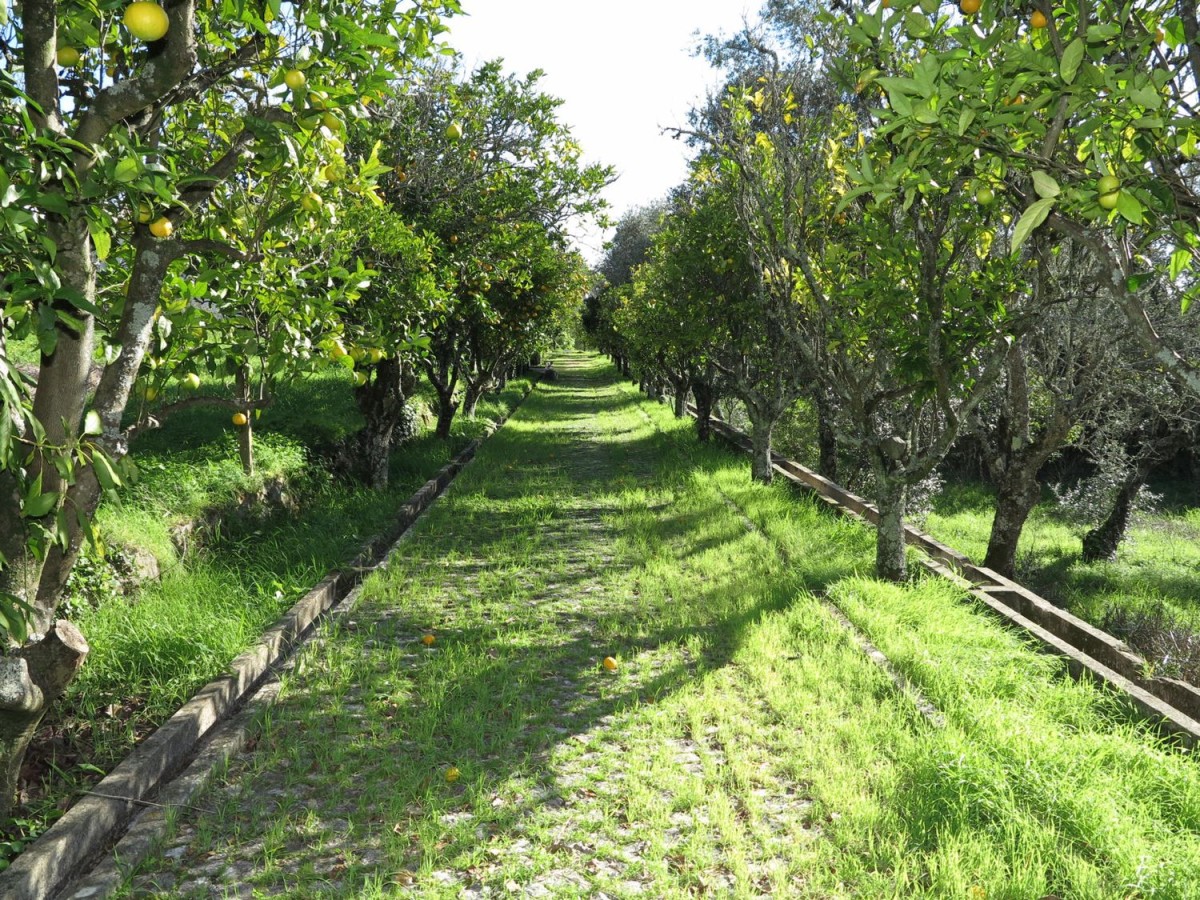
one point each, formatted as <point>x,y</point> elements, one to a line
<point>665,777</point>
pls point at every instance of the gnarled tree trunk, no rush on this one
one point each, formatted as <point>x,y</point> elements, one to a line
<point>31,679</point>
<point>761,429</point>
<point>705,396</point>
<point>827,447</point>
<point>1103,541</point>
<point>891,498</point>
<point>381,401</point>
<point>1017,495</point>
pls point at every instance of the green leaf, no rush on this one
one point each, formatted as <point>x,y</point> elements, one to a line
<point>1181,260</point>
<point>92,423</point>
<point>127,169</point>
<point>1147,97</point>
<point>1031,219</point>
<point>1129,207</point>
<point>100,239</point>
<point>1045,186</point>
<point>916,25</point>
<point>105,474</point>
<point>1071,58</point>
<point>1186,303</point>
<point>965,118</point>
<point>39,505</point>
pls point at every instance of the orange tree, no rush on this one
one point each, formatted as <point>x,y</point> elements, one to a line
<point>523,309</point>
<point>481,157</point>
<point>900,305</point>
<point>1081,117</point>
<point>686,312</point>
<point>142,138</point>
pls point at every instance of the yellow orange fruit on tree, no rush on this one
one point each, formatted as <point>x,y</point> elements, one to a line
<point>454,131</point>
<point>970,7</point>
<point>146,21</point>
<point>610,664</point>
<point>294,79</point>
<point>162,227</point>
<point>1038,19</point>
<point>145,212</point>
<point>239,419</point>
<point>67,57</point>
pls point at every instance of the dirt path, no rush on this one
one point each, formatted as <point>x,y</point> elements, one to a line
<point>572,780</point>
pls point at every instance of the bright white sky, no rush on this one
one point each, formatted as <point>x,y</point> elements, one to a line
<point>624,69</point>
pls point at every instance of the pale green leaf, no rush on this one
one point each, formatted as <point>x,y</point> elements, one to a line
<point>1129,207</point>
<point>1071,59</point>
<point>128,168</point>
<point>1045,186</point>
<point>1034,216</point>
<point>101,240</point>
<point>1181,260</point>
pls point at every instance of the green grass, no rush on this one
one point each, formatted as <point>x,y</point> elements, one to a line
<point>151,652</point>
<point>1157,564</point>
<point>744,746</point>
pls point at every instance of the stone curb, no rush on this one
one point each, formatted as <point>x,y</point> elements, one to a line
<point>93,824</point>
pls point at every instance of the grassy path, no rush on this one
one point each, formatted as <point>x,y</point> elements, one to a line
<point>745,745</point>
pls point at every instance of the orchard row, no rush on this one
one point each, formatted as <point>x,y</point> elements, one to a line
<point>201,200</point>
<point>950,229</point>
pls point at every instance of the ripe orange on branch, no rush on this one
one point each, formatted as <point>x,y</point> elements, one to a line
<point>1038,19</point>
<point>162,228</point>
<point>239,419</point>
<point>970,7</point>
<point>146,21</point>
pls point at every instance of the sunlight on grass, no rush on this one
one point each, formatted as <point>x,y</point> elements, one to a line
<point>744,745</point>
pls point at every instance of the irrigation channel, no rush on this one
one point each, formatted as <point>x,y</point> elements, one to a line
<point>774,722</point>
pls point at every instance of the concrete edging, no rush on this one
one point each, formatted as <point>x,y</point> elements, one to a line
<point>93,823</point>
<point>1173,704</point>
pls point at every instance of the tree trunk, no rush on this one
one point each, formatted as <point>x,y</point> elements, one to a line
<point>760,440</point>
<point>892,501</point>
<point>681,395</point>
<point>703,393</point>
<point>31,679</point>
<point>827,448</point>
<point>447,407</point>
<point>246,432</point>
<point>1103,541</point>
<point>381,401</point>
<point>1017,495</point>
<point>472,395</point>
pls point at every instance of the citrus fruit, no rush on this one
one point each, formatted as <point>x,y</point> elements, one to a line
<point>146,21</point>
